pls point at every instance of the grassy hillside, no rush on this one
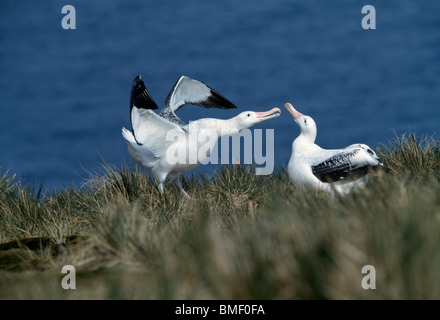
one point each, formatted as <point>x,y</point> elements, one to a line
<point>257,238</point>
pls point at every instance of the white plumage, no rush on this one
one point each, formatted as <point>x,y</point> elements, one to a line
<point>166,145</point>
<point>341,170</point>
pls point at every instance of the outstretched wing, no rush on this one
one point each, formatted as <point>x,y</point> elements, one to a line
<point>153,132</point>
<point>140,97</point>
<point>190,91</point>
<point>149,129</point>
<point>355,160</point>
<point>151,135</point>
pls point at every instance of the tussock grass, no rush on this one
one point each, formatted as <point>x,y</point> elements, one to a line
<point>409,156</point>
<point>257,238</point>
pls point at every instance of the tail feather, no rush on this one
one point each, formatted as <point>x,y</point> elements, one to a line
<point>139,153</point>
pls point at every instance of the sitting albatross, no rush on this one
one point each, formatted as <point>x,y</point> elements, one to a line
<point>168,146</point>
<point>310,166</point>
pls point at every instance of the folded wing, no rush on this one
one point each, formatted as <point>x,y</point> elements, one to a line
<point>355,160</point>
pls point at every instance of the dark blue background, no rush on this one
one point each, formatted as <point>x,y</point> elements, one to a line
<point>64,93</point>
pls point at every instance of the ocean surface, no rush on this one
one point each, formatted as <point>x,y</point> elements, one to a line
<point>64,94</point>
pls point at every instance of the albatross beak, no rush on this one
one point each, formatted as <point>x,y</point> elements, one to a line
<point>275,112</point>
<point>296,114</point>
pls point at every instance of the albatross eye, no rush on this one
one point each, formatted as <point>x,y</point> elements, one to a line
<point>305,120</point>
<point>248,114</point>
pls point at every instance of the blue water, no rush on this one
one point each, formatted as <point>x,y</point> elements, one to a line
<point>64,93</point>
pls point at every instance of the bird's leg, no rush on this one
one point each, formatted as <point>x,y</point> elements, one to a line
<point>179,185</point>
<point>161,188</point>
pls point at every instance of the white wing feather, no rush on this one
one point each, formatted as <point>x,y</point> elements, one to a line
<point>188,91</point>
<point>140,154</point>
<point>152,133</point>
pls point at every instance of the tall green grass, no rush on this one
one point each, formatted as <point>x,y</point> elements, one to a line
<point>258,237</point>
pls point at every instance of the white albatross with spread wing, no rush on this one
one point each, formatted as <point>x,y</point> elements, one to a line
<point>342,170</point>
<point>156,139</point>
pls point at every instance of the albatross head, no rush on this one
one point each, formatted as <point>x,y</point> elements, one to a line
<point>305,123</point>
<point>249,118</point>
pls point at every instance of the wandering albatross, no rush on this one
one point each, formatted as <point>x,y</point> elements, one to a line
<point>341,170</point>
<point>155,139</point>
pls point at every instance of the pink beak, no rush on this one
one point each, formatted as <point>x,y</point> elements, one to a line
<point>296,114</point>
<point>275,112</point>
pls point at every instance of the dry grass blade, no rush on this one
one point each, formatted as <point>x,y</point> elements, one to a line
<point>258,237</point>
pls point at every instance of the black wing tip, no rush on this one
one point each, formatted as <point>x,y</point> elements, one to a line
<point>216,100</point>
<point>140,97</point>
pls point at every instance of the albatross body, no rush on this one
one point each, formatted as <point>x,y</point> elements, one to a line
<point>311,166</point>
<point>168,146</point>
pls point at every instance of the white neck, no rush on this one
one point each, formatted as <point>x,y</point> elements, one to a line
<point>304,139</point>
<point>222,127</point>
